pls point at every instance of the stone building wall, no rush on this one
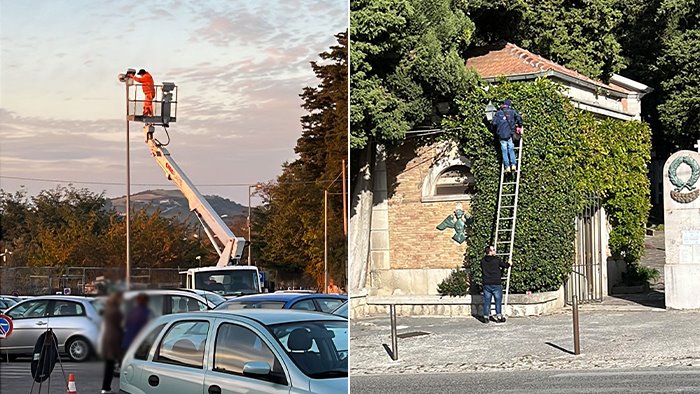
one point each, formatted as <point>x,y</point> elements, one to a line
<point>414,240</point>
<point>409,255</point>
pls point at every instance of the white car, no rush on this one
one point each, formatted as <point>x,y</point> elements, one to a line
<point>243,351</point>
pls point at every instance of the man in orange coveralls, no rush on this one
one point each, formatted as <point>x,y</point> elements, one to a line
<point>146,81</point>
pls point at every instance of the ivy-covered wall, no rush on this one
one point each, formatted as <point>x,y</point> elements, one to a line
<point>567,154</point>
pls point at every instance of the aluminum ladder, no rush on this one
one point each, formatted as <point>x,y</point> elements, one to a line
<point>506,214</point>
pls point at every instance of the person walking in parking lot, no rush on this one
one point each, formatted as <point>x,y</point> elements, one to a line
<point>491,274</point>
<point>136,319</point>
<point>112,334</point>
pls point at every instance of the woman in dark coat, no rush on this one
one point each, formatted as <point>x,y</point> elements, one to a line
<point>112,334</point>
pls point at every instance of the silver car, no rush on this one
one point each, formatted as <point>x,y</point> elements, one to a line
<point>74,320</point>
<point>243,351</point>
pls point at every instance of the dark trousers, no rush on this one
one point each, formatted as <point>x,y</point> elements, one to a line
<point>109,374</point>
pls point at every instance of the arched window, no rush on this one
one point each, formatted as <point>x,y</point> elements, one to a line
<point>455,181</point>
<point>449,180</point>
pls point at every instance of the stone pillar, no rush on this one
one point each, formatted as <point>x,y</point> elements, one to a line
<point>379,232</point>
<point>682,230</point>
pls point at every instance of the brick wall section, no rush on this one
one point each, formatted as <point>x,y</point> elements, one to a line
<point>414,241</point>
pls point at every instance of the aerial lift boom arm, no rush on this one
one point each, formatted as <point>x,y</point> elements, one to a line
<point>213,225</point>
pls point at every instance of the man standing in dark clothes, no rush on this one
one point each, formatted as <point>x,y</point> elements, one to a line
<point>136,319</point>
<point>491,273</point>
<point>112,335</point>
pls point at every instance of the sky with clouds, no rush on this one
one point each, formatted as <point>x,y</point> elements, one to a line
<point>239,66</point>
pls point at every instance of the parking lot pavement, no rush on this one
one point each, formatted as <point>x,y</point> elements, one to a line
<point>16,377</point>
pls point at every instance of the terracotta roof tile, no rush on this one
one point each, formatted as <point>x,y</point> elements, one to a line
<point>510,60</point>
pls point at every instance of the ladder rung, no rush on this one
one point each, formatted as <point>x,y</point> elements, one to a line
<point>502,254</point>
<point>509,183</point>
<point>508,195</point>
<point>506,218</point>
<point>503,242</point>
<point>507,206</point>
<point>506,229</point>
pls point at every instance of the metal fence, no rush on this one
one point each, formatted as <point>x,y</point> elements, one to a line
<point>82,280</point>
<point>586,277</point>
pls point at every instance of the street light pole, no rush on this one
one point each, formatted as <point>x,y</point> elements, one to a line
<point>250,224</point>
<point>325,241</point>
<point>128,195</point>
<point>250,240</point>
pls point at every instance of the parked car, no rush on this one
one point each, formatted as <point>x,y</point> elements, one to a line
<point>214,298</point>
<point>342,310</point>
<point>6,303</point>
<point>242,351</point>
<point>165,302</point>
<point>74,320</point>
<point>302,301</point>
<point>16,298</point>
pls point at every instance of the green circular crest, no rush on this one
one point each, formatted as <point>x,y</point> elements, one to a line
<point>694,175</point>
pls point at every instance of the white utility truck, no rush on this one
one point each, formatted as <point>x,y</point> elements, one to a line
<point>228,278</point>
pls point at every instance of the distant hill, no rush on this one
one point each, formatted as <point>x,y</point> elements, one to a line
<point>172,204</point>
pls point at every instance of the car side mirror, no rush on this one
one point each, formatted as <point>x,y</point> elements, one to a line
<point>256,368</point>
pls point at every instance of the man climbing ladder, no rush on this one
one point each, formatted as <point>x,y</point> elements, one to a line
<point>508,124</point>
<point>507,121</point>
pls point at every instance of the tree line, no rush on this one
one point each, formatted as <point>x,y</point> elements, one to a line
<point>290,223</point>
<point>68,226</point>
<point>408,56</point>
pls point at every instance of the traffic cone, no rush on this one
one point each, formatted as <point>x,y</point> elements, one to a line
<point>71,384</point>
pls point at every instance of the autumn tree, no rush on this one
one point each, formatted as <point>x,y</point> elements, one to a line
<point>67,226</point>
<point>291,221</point>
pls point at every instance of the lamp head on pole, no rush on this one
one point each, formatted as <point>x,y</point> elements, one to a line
<point>490,111</point>
<point>125,77</point>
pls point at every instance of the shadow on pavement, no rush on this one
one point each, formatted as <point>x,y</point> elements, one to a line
<point>651,299</point>
<point>388,350</point>
<point>559,347</point>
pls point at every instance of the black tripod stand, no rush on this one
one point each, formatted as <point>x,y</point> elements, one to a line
<point>44,359</point>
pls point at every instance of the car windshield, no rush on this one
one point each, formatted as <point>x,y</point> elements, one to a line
<point>228,282</point>
<point>341,310</point>
<point>10,302</point>
<point>98,304</point>
<point>212,297</point>
<point>318,348</point>
<point>234,304</point>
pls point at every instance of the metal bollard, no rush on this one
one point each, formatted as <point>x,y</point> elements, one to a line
<point>394,338</point>
<point>577,339</point>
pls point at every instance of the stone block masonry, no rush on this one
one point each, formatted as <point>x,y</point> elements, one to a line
<point>682,230</point>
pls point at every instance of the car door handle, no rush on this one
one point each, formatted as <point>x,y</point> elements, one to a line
<point>153,380</point>
<point>214,389</point>
<point>41,323</point>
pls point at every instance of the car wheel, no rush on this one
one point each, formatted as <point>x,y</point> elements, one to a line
<point>78,349</point>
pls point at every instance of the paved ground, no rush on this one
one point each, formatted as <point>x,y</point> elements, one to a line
<point>683,380</point>
<point>16,377</point>
<point>655,256</point>
<point>609,339</point>
<point>624,331</point>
